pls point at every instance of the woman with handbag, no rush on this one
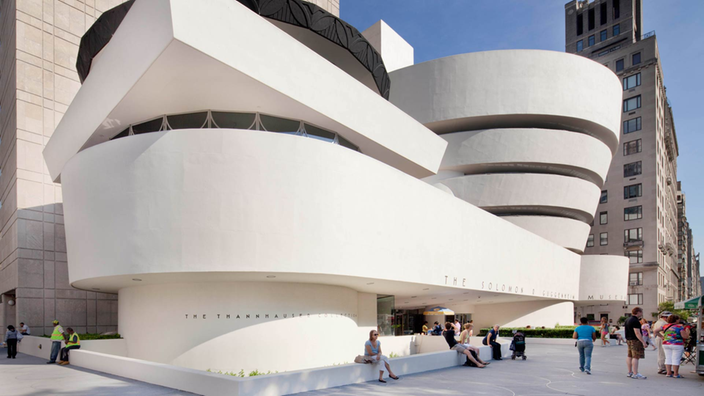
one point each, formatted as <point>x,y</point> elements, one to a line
<point>372,348</point>
<point>674,336</point>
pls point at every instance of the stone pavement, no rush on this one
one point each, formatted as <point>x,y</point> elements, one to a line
<point>28,375</point>
<point>549,370</point>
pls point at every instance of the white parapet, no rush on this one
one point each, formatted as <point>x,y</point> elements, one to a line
<point>527,150</point>
<point>512,88</point>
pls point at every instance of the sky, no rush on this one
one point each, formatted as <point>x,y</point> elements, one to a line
<point>439,28</point>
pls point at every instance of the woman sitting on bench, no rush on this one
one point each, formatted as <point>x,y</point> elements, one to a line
<point>372,348</point>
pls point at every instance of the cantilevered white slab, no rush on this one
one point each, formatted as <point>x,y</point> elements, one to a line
<point>231,203</point>
<point>170,56</point>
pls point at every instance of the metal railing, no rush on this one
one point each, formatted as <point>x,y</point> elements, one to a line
<point>647,35</point>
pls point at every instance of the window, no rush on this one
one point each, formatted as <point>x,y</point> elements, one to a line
<point>636,59</point>
<point>590,19</point>
<point>617,30</point>
<point>632,147</point>
<point>634,256</point>
<point>633,235</point>
<point>635,279</point>
<point>633,213</point>
<point>590,41</point>
<point>631,81</point>
<point>631,125</point>
<point>632,169</point>
<point>602,13</point>
<point>617,9</point>
<point>580,24</point>
<point>619,65</point>
<point>603,217</point>
<point>635,299</point>
<point>604,238</point>
<point>580,46</point>
<point>602,35</point>
<point>590,240</point>
<point>631,104</point>
<point>604,196</point>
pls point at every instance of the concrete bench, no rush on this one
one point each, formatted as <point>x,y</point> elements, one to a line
<point>206,383</point>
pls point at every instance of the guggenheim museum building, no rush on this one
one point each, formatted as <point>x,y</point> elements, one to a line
<point>254,178</point>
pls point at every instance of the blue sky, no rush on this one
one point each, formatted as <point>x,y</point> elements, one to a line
<point>438,28</point>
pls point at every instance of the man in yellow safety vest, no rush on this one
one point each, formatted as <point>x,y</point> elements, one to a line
<point>56,337</point>
<point>73,342</point>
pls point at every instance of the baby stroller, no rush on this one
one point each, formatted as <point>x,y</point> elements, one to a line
<point>518,345</point>
<point>690,347</point>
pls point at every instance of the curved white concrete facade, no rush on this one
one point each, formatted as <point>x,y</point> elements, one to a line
<point>512,88</point>
<point>223,204</point>
<point>532,193</point>
<point>520,132</point>
<point>229,221</point>
<point>565,232</point>
<point>527,150</point>
<point>233,326</point>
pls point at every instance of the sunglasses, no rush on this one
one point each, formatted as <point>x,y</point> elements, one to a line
<point>375,334</point>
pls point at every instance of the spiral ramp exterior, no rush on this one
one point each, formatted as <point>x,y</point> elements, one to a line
<point>522,142</point>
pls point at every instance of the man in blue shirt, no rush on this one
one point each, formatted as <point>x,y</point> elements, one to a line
<point>585,336</point>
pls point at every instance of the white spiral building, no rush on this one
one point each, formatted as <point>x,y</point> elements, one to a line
<point>522,142</point>
<point>237,176</point>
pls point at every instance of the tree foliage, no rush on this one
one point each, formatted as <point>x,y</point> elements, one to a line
<point>670,306</point>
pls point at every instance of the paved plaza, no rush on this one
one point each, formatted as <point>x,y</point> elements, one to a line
<point>29,376</point>
<point>549,370</point>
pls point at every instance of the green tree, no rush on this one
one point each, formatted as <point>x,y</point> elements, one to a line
<point>670,306</point>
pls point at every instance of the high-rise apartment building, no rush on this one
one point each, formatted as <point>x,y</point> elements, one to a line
<point>637,215</point>
<point>39,41</point>
<point>688,268</point>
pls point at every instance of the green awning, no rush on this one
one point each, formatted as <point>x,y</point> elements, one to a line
<point>693,303</point>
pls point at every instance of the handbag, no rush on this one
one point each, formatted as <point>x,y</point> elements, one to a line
<point>363,359</point>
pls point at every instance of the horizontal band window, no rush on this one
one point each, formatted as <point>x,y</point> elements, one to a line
<point>251,121</point>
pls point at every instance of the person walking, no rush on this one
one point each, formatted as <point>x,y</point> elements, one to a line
<point>674,336</point>
<point>645,327</point>
<point>73,342</point>
<point>11,341</point>
<point>585,336</point>
<point>490,339</point>
<point>658,334</point>
<point>372,348</point>
<point>56,337</point>
<point>636,345</point>
<point>604,330</point>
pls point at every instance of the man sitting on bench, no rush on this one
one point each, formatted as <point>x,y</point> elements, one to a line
<point>456,346</point>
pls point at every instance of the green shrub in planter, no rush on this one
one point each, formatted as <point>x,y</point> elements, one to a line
<point>507,332</point>
<point>93,336</point>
